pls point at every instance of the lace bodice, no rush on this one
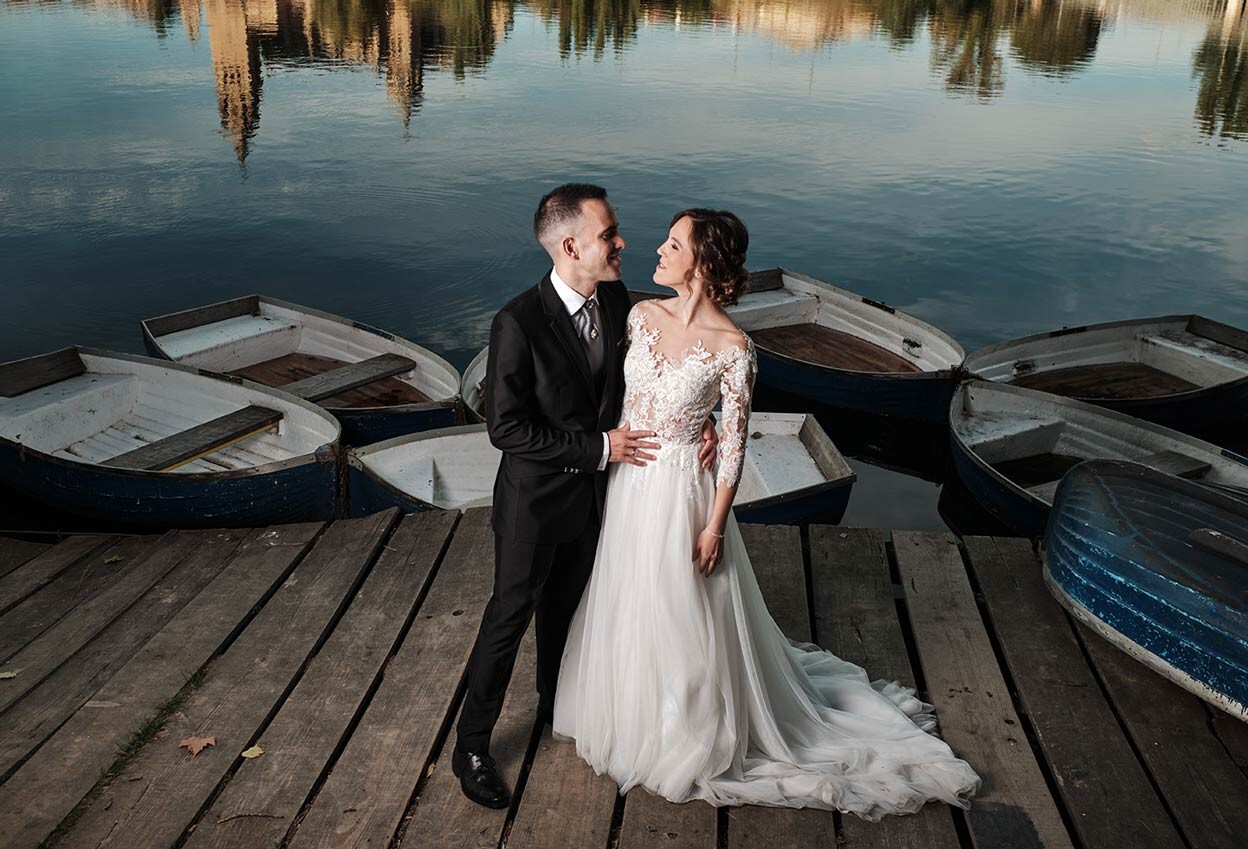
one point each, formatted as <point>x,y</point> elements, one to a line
<point>673,396</point>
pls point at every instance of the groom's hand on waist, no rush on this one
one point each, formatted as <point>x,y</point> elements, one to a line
<point>630,446</point>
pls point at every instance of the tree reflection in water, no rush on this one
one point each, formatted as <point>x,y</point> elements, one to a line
<point>402,39</point>
<point>1221,62</point>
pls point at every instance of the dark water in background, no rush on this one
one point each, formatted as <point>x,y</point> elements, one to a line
<point>996,167</point>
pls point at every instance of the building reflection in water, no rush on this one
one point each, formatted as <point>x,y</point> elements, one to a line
<point>403,39</point>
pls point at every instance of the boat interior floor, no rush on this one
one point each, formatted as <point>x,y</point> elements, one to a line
<point>814,343</point>
<point>1037,469</point>
<point>388,392</point>
<point>1106,380</point>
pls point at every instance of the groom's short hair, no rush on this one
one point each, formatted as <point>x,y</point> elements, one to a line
<point>561,208</point>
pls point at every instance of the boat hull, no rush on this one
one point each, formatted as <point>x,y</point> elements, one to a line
<point>1119,553</point>
<point>368,494</point>
<point>366,426</point>
<point>917,397</point>
<point>1021,513</point>
<point>825,506</point>
<point>299,490</point>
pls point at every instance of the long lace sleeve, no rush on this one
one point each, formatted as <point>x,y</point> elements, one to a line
<point>736,388</point>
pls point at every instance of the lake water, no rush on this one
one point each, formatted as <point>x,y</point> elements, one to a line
<point>996,167</point>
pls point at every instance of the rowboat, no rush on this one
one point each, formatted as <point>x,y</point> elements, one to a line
<point>1186,372</point>
<point>377,384</point>
<point>153,444</point>
<point>792,474</point>
<point>1011,446</point>
<point>842,350</point>
<point>472,387</point>
<point>1159,567</point>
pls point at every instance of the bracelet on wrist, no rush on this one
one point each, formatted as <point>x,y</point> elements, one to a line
<point>712,533</point>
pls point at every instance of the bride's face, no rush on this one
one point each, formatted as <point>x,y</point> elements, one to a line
<point>675,268</point>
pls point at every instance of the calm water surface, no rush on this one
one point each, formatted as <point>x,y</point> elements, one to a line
<point>996,167</point>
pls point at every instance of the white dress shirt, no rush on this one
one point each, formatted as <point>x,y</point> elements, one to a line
<point>572,302</point>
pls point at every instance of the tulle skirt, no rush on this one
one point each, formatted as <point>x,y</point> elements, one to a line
<point>685,685</point>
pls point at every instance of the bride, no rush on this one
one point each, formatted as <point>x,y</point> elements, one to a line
<point>675,677</point>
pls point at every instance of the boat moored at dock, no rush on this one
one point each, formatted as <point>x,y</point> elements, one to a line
<point>1158,566</point>
<point>793,474</point>
<point>377,384</point>
<point>1186,372</point>
<point>841,350</point>
<point>1011,447</point>
<point>147,443</point>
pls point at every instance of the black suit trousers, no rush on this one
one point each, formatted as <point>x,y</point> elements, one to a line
<point>542,579</point>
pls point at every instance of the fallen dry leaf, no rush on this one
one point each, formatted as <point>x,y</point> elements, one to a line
<point>253,752</point>
<point>12,674</point>
<point>116,558</point>
<point>197,744</point>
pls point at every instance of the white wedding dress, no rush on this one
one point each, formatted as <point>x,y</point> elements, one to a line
<point>684,684</point>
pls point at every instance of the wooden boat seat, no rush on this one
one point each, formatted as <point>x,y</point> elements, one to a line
<point>1105,380</point>
<point>196,341</point>
<point>1216,353</point>
<point>1174,463</point>
<point>996,438</point>
<point>199,441</point>
<point>1170,462</point>
<point>318,387</point>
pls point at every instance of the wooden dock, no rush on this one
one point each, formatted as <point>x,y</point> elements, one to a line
<point>337,650</point>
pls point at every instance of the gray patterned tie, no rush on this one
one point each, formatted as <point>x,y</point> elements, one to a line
<point>591,336</point>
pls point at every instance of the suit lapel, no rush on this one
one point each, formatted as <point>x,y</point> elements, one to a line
<point>561,324</point>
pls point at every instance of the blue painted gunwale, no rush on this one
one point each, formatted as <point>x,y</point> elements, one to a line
<point>303,488</point>
<point>360,425</point>
<point>1119,554</point>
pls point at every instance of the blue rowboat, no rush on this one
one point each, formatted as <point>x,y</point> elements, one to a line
<point>1158,566</point>
<point>843,351</point>
<point>144,443</point>
<point>1011,446</point>
<point>472,387</point>
<point>378,385</point>
<point>793,474</point>
<point>1186,372</point>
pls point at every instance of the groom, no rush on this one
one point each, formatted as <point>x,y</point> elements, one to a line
<point>554,387</point>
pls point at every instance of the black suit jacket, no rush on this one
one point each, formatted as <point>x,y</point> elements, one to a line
<point>546,414</point>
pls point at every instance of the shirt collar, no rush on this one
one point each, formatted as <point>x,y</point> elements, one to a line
<point>572,299</point>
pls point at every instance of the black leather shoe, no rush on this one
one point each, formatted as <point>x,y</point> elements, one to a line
<point>479,778</point>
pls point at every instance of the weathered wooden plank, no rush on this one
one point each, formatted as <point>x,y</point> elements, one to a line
<point>1175,463</point>
<point>652,821</point>
<point>443,818</point>
<point>359,804</point>
<point>39,712</point>
<point>83,580</point>
<point>43,567</point>
<point>200,316</point>
<point>198,441</point>
<point>1014,806</point>
<point>16,552</point>
<point>779,567</point>
<point>48,786</point>
<point>22,376</point>
<point>856,619</point>
<point>1203,786</point>
<point>160,790</point>
<point>151,561</point>
<point>565,805</point>
<point>1103,786</point>
<point>1233,732</point>
<point>351,376</point>
<point>262,798</point>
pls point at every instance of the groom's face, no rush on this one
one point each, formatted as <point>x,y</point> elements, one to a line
<point>599,242</point>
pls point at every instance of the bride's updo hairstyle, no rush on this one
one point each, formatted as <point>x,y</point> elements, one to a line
<point>720,241</point>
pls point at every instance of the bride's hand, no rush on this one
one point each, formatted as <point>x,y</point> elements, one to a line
<point>707,551</point>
